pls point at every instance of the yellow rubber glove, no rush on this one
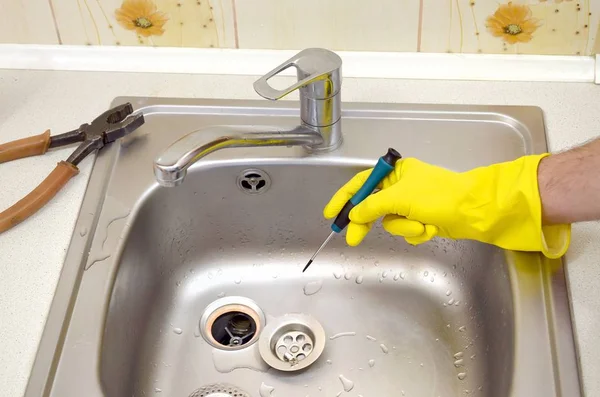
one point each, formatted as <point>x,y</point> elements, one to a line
<point>499,204</point>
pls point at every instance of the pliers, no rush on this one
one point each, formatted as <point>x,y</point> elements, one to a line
<point>104,129</point>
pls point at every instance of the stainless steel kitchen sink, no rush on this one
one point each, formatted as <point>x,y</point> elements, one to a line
<point>446,318</point>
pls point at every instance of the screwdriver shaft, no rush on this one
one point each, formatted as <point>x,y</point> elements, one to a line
<point>319,250</point>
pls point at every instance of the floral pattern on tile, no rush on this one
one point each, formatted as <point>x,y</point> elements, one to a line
<point>165,23</point>
<point>563,27</point>
<point>512,23</point>
<point>142,17</point>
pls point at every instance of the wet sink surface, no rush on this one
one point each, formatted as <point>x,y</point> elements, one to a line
<point>442,319</point>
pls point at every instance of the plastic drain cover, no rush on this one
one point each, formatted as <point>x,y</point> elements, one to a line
<point>219,390</point>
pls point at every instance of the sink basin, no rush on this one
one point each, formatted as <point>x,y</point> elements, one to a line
<point>445,318</point>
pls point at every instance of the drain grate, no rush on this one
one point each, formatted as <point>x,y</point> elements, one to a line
<point>253,181</point>
<point>219,390</point>
<point>291,342</point>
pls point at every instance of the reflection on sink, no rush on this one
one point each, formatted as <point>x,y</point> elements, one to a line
<point>444,318</point>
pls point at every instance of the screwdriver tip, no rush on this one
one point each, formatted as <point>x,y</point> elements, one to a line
<point>307,265</point>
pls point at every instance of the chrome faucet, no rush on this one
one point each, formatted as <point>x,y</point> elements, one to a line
<point>319,82</point>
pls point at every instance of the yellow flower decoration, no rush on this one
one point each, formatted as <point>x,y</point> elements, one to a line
<point>513,23</point>
<point>141,16</point>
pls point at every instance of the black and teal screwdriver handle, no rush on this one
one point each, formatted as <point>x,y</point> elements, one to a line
<point>384,166</point>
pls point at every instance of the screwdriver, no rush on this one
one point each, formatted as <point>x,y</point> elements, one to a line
<point>384,166</point>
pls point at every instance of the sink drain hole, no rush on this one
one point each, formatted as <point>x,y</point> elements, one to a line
<point>219,390</point>
<point>232,323</point>
<point>253,181</point>
<point>233,329</point>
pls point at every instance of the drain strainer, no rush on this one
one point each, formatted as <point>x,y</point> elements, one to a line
<point>292,342</point>
<point>232,323</point>
<point>219,390</point>
<point>293,346</point>
<point>253,181</point>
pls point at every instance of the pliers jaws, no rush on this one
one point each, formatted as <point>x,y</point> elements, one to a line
<point>111,125</point>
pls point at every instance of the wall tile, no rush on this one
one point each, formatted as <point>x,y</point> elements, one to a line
<point>191,23</point>
<point>27,21</point>
<point>565,27</point>
<point>383,25</point>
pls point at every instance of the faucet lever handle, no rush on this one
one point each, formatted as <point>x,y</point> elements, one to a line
<point>313,65</point>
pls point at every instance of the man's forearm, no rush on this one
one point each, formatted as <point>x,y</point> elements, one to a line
<point>569,185</point>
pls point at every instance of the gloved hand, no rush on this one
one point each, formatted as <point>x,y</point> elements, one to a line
<point>499,204</point>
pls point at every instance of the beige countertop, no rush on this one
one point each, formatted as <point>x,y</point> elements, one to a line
<point>31,254</point>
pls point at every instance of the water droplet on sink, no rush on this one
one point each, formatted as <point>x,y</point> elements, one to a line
<point>328,362</point>
<point>451,301</point>
<point>337,275</point>
<point>458,355</point>
<point>384,274</point>
<point>402,275</point>
<point>384,348</point>
<point>459,363</point>
<point>371,363</point>
<point>178,283</point>
<point>448,293</point>
<point>462,329</point>
<point>265,390</point>
<point>348,275</point>
<point>178,331</point>
<point>473,357</point>
<point>462,375</point>
<point>432,279</point>
<point>339,394</point>
<point>83,231</point>
<point>157,390</point>
<point>426,273</point>
<point>313,287</point>
<point>371,338</point>
<point>238,280</point>
<point>347,384</point>
<point>396,276</point>
<point>220,294</point>
<point>339,335</point>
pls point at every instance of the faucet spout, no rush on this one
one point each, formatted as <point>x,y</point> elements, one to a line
<point>170,167</point>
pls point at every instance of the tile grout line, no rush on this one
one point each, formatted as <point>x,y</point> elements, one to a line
<point>420,26</point>
<point>54,21</point>
<point>235,25</point>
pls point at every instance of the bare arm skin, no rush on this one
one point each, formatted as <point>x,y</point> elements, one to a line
<point>569,184</point>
